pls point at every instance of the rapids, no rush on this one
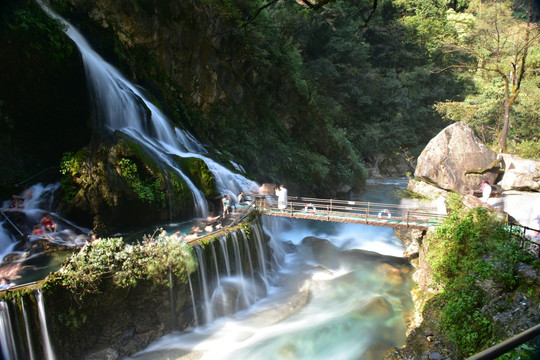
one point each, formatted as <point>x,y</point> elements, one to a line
<point>338,291</point>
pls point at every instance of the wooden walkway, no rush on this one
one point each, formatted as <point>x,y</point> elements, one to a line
<point>357,212</point>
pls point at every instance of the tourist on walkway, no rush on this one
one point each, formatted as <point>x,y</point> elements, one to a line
<point>226,205</point>
<point>486,190</point>
<point>282,197</point>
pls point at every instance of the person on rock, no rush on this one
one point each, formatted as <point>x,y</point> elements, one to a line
<point>48,223</point>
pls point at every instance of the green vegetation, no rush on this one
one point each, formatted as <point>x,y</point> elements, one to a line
<point>148,190</point>
<point>126,264</point>
<point>496,44</point>
<point>70,167</point>
<point>468,250</point>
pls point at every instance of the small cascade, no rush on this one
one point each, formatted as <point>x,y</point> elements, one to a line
<point>47,346</point>
<point>225,253</point>
<point>28,333</point>
<point>236,286</point>
<point>239,273</point>
<point>261,253</point>
<point>248,252</point>
<point>203,281</point>
<point>214,256</point>
<point>195,317</point>
<point>7,337</point>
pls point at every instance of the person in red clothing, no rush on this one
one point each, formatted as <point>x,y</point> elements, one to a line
<point>48,224</point>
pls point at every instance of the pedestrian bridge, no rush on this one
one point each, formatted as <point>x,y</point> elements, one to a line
<point>344,211</point>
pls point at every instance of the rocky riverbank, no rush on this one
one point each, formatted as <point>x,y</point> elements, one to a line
<point>462,162</point>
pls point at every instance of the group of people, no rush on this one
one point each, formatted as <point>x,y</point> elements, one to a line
<point>17,203</point>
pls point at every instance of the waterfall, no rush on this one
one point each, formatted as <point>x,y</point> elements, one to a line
<point>248,252</point>
<point>203,283</point>
<point>225,253</point>
<point>193,301</point>
<point>47,346</point>
<point>121,106</point>
<point>236,287</point>
<point>261,253</point>
<point>27,331</point>
<point>7,338</point>
<point>214,255</point>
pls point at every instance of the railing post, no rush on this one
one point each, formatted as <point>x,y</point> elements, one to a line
<point>330,205</point>
<point>367,212</point>
<point>408,218</point>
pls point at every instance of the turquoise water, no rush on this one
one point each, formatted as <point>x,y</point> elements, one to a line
<point>341,291</point>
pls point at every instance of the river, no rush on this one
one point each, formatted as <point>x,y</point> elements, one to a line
<point>340,291</point>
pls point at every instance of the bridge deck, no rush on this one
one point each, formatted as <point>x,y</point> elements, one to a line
<point>368,213</point>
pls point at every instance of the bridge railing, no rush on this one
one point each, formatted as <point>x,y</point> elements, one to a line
<point>368,211</point>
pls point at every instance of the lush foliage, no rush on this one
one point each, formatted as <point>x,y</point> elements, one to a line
<point>493,43</point>
<point>148,190</point>
<point>70,166</point>
<point>126,264</point>
<point>468,249</point>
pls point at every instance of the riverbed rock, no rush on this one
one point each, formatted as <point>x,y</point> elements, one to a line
<point>377,307</point>
<point>456,159</point>
<point>520,174</point>
<point>390,274</point>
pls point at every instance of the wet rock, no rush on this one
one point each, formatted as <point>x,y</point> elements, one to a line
<point>376,351</point>
<point>377,307</point>
<point>105,354</point>
<point>390,274</point>
<point>324,252</point>
<point>288,351</point>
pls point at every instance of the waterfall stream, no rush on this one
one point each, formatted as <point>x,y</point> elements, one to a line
<point>47,346</point>
<point>326,291</point>
<point>121,106</point>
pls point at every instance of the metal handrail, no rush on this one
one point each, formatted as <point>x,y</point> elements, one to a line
<point>331,208</point>
<point>507,345</point>
<point>12,224</point>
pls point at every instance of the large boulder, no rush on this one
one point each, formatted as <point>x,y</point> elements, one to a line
<point>520,174</point>
<point>456,159</point>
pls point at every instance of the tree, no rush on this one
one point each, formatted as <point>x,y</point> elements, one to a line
<point>495,43</point>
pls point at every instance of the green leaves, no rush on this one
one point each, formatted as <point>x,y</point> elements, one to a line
<point>471,248</point>
<point>84,273</point>
<point>148,190</point>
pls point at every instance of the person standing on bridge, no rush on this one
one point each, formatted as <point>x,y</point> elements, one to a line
<point>282,198</point>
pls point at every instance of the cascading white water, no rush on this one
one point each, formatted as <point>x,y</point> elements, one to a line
<point>121,106</point>
<point>193,301</point>
<point>225,252</point>
<point>225,292</point>
<point>47,346</point>
<point>29,342</point>
<point>333,291</point>
<point>7,340</point>
<point>203,285</point>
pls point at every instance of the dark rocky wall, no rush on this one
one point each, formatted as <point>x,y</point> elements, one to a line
<point>44,109</point>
